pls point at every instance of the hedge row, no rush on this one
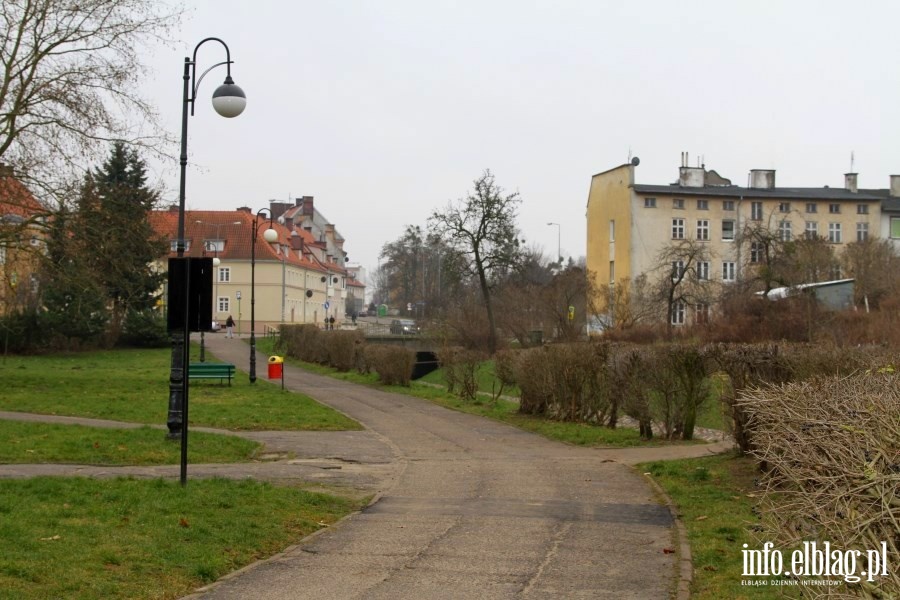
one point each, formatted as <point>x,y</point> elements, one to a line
<point>346,350</point>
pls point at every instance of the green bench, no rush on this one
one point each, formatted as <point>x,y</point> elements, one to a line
<point>218,371</point>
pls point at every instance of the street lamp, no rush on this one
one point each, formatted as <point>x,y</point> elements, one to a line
<point>558,237</point>
<point>270,236</point>
<point>229,101</point>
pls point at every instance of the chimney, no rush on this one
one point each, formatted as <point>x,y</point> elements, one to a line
<point>278,208</point>
<point>289,223</point>
<point>895,186</point>
<point>296,241</point>
<point>762,179</point>
<point>850,182</point>
<point>307,203</point>
<point>173,208</point>
<point>6,170</point>
<point>245,209</point>
<point>690,176</point>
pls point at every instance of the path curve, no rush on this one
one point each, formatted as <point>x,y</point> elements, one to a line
<point>467,507</point>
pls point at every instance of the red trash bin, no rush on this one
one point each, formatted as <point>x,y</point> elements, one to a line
<point>276,366</point>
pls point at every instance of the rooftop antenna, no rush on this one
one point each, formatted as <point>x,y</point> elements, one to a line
<point>629,153</point>
<point>851,161</point>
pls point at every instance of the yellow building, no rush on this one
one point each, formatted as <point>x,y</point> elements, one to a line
<point>629,225</point>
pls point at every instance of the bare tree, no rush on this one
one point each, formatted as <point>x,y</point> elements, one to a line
<point>682,278</point>
<point>873,264</point>
<point>71,74</point>
<point>482,229</point>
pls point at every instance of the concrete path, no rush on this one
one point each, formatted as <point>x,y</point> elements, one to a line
<point>467,507</point>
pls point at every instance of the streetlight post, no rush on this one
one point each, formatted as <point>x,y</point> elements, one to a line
<point>558,244</point>
<point>229,101</point>
<point>270,236</point>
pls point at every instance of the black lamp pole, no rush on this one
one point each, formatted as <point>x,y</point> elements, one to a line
<point>229,101</point>
<point>270,236</point>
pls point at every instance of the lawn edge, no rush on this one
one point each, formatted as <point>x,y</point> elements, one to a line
<point>684,566</point>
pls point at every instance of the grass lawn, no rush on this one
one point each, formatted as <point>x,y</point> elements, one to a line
<point>133,385</point>
<point>127,538</point>
<point>713,499</point>
<point>76,444</point>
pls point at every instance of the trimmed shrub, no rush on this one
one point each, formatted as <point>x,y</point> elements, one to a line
<point>832,450</point>
<point>341,348</point>
<point>304,342</point>
<point>394,364</point>
<point>460,367</point>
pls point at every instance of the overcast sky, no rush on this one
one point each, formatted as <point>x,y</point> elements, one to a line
<point>384,111</point>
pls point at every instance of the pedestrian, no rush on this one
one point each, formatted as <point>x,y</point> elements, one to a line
<point>331,323</point>
<point>229,327</point>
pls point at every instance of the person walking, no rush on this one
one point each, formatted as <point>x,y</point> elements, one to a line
<point>229,327</point>
<point>331,323</point>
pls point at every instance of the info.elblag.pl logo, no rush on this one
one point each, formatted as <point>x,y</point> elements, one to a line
<point>811,560</point>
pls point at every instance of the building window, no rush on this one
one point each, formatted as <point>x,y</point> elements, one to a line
<point>784,207</point>
<point>701,314</point>
<point>756,252</point>
<point>784,231</point>
<point>862,209</point>
<point>834,233</point>
<point>756,211</point>
<point>862,232</point>
<point>703,271</point>
<point>677,229</point>
<point>728,230</point>
<point>703,229</point>
<point>812,230</point>
<point>677,270</point>
<point>214,245</point>
<point>678,313</point>
<point>224,274</point>
<point>702,204</point>
<point>812,207</point>
<point>612,230</point>
<point>612,272</point>
<point>728,271</point>
<point>678,203</point>
<point>224,304</point>
<point>649,202</point>
<point>835,272</point>
<point>173,245</point>
<point>834,209</point>
<point>727,204</point>
<point>895,227</point>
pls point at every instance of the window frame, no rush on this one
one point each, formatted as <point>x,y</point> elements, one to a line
<point>862,232</point>
<point>223,274</point>
<point>835,233</point>
<point>677,228</point>
<point>756,211</point>
<point>649,202</point>
<point>702,230</point>
<point>678,203</point>
<point>729,272</point>
<point>812,208</point>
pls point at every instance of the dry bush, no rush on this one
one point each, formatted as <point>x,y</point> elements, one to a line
<point>628,369</point>
<point>394,364</point>
<point>534,381</point>
<point>636,334</point>
<point>504,371</point>
<point>460,366</point>
<point>569,382</point>
<point>753,319</point>
<point>832,445</point>
<point>747,365</point>
<point>304,342</point>
<point>341,348</point>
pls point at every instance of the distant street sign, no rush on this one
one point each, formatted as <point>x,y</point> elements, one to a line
<point>327,304</point>
<point>237,294</point>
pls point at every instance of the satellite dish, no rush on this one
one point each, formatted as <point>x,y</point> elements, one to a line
<point>635,161</point>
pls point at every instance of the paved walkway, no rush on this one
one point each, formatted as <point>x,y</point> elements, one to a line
<point>467,507</point>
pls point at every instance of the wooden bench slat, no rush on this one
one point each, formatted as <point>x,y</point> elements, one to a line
<point>211,371</point>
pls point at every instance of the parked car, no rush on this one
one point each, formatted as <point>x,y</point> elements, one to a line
<point>404,327</point>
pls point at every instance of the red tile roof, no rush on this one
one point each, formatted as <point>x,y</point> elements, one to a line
<point>15,199</point>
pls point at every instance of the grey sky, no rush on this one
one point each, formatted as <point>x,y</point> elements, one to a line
<point>386,110</point>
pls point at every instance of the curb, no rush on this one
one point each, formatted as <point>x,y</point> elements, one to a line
<point>685,563</point>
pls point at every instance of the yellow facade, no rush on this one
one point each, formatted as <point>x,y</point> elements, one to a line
<point>609,225</point>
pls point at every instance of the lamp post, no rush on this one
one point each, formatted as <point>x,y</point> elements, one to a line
<point>558,245</point>
<point>270,236</point>
<point>229,101</point>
